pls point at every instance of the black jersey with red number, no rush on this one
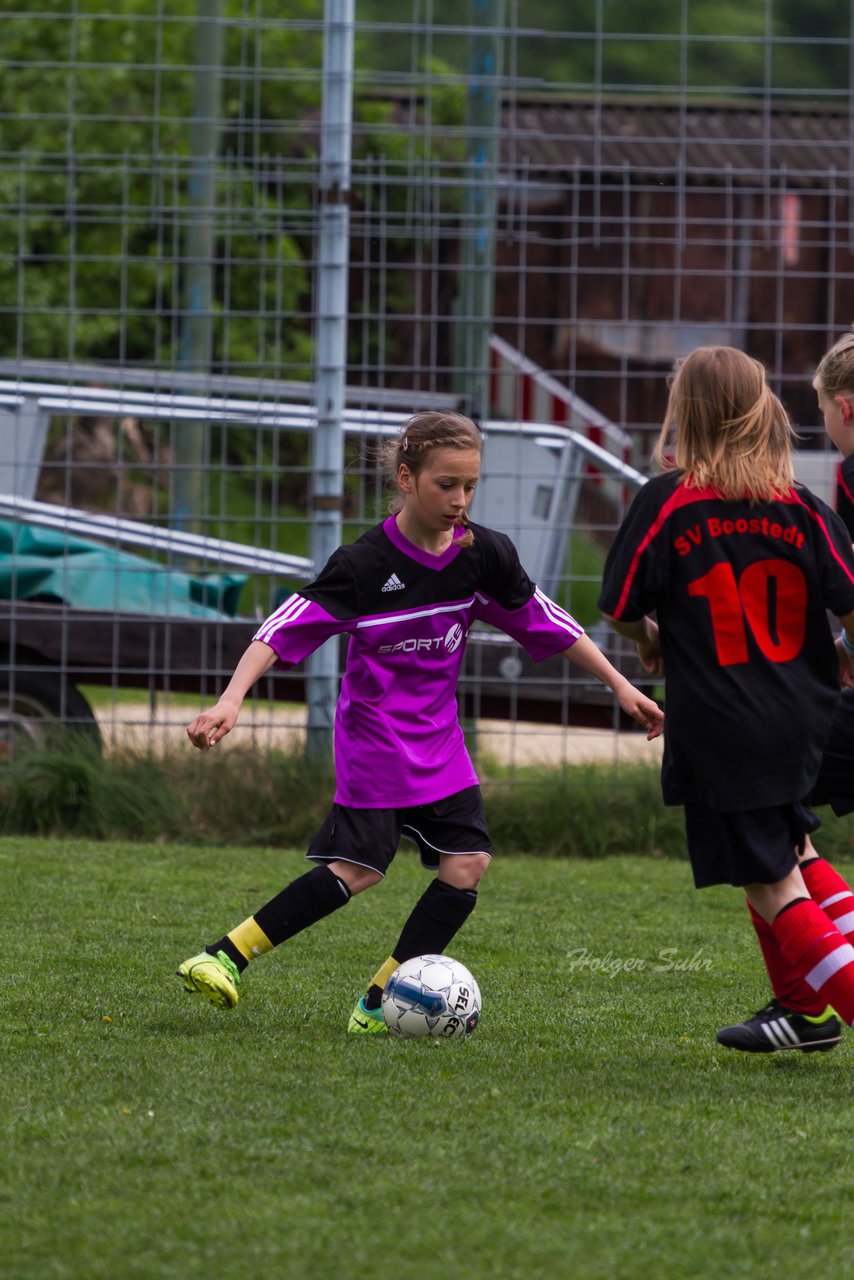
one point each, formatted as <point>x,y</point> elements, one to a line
<point>845,494</point>
<point>740,593</point>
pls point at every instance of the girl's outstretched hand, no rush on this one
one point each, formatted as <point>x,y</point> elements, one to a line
<point>643,709</point>
<point>210,727</point>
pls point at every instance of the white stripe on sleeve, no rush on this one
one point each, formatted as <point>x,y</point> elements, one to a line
<point>293,607</point>
<point>557,614</point>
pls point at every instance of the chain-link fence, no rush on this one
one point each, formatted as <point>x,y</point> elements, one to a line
<point>547,205</point>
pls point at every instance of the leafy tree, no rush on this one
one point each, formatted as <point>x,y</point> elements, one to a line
<point>95,112</point>
<point>579,45</point>
<point>94,147</point>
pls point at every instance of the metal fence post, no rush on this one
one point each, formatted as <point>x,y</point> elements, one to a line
<point>475,293</point>
<point>195,344</point>
<point>331,345</point>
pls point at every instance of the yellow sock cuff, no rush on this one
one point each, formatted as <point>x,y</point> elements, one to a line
<point>383,974</point>
<point>250,940</point>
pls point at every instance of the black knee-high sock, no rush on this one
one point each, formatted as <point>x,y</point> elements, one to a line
<point>441,910</point>
<point>437,916</point>
<point>305,901</point>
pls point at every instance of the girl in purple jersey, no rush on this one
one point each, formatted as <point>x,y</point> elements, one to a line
<point>406,594</point>
<point>740,565</point>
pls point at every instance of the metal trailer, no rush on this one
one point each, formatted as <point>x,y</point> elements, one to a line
<point>531,481</point>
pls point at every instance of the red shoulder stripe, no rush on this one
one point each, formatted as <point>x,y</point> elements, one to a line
<point>819,519</point>
<point>680,497</point>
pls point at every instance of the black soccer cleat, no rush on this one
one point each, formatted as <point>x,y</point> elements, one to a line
<point>776,1027</point>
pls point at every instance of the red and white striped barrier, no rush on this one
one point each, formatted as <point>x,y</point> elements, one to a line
<point>520,391</point>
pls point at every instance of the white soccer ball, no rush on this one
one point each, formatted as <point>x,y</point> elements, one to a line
<point>431,996</point>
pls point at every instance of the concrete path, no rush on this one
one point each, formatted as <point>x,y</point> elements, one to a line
<point>137,726</point>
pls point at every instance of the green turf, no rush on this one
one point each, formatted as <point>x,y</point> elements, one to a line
<point>590,1129</point>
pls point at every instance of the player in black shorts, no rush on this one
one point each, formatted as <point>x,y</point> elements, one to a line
<point>739,565</point>
<point>779,1025</point>
<point>406,594</point>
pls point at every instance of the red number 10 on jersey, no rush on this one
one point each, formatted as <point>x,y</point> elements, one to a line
<point>770,597</point>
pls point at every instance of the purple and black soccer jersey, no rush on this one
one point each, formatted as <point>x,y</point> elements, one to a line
<point>398,740</point>
<point>740,593</point>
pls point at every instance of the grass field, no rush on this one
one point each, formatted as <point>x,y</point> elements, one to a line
<point>590,1129</point>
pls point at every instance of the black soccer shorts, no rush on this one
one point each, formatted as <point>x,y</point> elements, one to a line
<point>370,837</point>
<point>750,846</point>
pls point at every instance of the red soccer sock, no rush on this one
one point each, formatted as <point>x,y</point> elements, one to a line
<point>788,987</point>
<point>829,890</point>
<point>817,951</point>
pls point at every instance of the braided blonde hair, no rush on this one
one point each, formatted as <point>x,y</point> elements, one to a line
<point>417,439</point>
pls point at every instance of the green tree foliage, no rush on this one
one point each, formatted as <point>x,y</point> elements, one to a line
<point>578,45</point>
<point>95,109</point>
<point>94,164</point>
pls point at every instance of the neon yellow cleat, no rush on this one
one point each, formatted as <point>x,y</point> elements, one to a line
<point>214,977</point>
<point>366,1022</point>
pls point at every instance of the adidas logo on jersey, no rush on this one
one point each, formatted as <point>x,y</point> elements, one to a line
<point>394,584</point>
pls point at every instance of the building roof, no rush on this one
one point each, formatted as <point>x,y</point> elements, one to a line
<point>810,145</point>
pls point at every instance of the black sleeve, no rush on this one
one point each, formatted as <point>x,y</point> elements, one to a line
<point>336,587</point>
<point>504,579</point>
<point>636,568</point>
